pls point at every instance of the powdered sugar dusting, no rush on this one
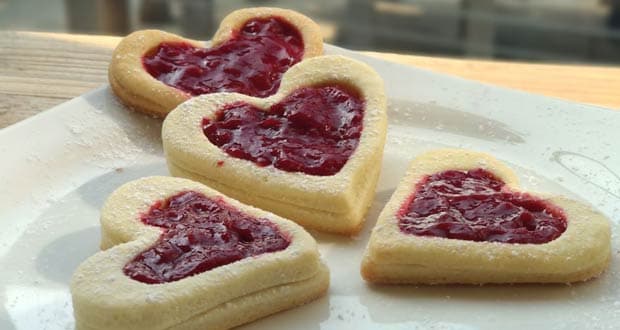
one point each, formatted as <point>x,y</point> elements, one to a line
<point>111,136</point>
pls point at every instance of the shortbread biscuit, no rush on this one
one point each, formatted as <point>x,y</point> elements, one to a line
<point>155,277</point>
<point>137,88</point>
<point>331,198</point>
<point>579,248</point>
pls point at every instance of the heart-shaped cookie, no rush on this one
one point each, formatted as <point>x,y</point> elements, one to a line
<point>310,153</point>
<point>457,217</point>
<point>180,255</point>
<point>153,71</point>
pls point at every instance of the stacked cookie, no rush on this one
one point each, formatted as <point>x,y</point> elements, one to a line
<point>458,217</point>
<point>310,153</point>
<point>178,254</point>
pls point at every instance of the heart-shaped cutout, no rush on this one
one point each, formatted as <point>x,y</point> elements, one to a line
<point>292,135</point>
<point>179,254</point>
<point>154,71</point>
<point>458,217</point>
<point>199,234</point>
<point>310,153</point>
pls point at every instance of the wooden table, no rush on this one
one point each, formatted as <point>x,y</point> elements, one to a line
<point>40,70</point>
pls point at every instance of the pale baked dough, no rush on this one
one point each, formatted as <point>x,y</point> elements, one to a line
<point>137,89</point>
<point>335,203</point>
<point>226,296</point>
<point>583,251</point>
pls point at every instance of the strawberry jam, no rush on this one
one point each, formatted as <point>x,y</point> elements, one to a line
<point>200,234</point>
<point>475,205</point>
<point>314,130</point>
<point>251,62</point>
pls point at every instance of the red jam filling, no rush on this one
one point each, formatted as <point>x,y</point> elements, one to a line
<point>475,205</point>
<point>314,130</point>
<point>251,62</point>
<point>200,234</point>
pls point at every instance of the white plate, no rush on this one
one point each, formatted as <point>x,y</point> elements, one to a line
<point>58,167</point>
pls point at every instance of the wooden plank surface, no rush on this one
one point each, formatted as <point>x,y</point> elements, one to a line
<point>40,70</point>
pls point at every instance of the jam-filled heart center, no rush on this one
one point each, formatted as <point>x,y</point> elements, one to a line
<point>251,62</point>
<point>314,130</point>
<point>199,234</point>
<point>475,205</point>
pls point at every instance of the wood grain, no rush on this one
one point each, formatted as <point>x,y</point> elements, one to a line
<point>41,70</point>
<point>594,85</point>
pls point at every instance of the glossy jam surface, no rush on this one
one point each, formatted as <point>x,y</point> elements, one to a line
<point>314,130</point>
<point>474,205</point>
<point>200,234</point>
<point>251,62</point>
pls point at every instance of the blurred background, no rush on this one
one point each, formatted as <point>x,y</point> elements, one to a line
<point>559,31</point>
